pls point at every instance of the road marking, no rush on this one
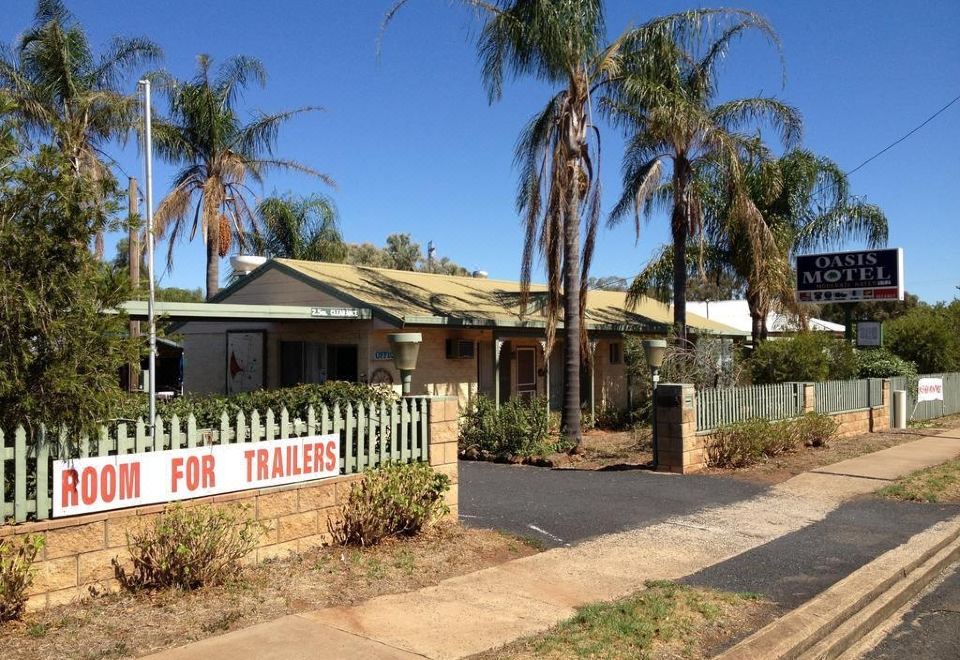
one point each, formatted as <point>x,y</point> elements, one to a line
<point>463,515</point>
<point>548,534</point>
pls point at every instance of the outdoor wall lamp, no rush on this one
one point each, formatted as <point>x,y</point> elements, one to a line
<point>406,348</point>
<point>654,351</point>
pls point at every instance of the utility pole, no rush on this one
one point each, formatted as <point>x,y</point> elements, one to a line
<point>431,252</point>
<point>148,202</point>
<point>133,263</point>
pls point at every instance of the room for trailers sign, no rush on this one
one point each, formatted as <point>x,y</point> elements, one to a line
<point>849,277</point>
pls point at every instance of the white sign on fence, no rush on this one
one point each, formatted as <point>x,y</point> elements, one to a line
<point>87,485</point>
<point>930,389</point>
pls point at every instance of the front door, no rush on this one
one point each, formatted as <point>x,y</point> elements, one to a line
<point>526,372</point>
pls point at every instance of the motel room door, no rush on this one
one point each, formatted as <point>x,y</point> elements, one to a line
<point>526,372</point>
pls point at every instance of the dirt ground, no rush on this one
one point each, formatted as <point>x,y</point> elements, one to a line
<point>608,450</point>
<point>126,625</point>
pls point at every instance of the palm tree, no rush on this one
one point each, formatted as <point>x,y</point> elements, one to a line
<point>298,228</point>
<point>667,101</point>
<point>562,42</point>
<point>64,92</point>
<point>805,203</point>
<point>219,154</point>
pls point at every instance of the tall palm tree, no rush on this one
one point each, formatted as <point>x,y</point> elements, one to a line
<point>562,42</point>
<point>805,203</point>
<point>219,155</point>
<point>65,92</point>
<point>668,102</point>
<point>298,228</point>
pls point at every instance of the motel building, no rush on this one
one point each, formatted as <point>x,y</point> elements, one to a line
<point>289,322</point>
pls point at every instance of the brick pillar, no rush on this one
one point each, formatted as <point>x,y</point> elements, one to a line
<point>880,414</point>
<point>809,398</point>
<point>444,432</point>
<point>679,447</point>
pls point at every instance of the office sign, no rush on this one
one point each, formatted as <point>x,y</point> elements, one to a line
<point>88,485</point>
<point>930,389</point>
<point>849,277</point>
<point>869,334</point>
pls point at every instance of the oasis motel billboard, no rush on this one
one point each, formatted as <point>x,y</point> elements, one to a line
<point>849,277</point>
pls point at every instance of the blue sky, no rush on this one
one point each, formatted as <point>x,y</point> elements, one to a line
<point>415,147</point>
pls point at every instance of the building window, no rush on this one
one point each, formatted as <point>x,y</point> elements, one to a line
<point>313,362</point>
<point>615,355</point>
<point>460,349</point>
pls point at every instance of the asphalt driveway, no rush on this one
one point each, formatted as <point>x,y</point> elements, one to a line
<point>561,507</point>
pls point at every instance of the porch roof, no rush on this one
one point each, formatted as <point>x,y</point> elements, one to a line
<point>414,298</point>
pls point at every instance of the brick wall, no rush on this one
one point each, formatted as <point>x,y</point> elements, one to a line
<point>78,550</point>
<point>683,450</point>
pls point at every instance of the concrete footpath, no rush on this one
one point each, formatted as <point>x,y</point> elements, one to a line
<point>486,609</point>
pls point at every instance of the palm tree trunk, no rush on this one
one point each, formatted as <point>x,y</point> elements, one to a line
<point>213,259</point>
<point>570,422</point>
<point>680,228</point>
<point>757,318</point>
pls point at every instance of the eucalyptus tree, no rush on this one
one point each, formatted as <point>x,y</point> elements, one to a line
<point>667,100</point>
<point>219,156</point>
<point>298,228</point>
<point>562,43</point>
<point>65,92</point>
<point>805,203</point>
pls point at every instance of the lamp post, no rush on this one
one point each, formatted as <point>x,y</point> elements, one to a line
<point>654,351</point>
<point>406,349</point>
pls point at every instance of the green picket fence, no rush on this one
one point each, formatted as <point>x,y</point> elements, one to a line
<point>369,436</point>
<point>718,407</point>
<point>925,410</point>
<point>835,396</point>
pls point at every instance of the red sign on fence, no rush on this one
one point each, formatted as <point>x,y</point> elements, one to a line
<point>87,485</point>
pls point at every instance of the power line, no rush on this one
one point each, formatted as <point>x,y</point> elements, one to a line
<point>893,144</point>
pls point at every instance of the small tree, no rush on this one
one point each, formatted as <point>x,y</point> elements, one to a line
<point>60,352</point>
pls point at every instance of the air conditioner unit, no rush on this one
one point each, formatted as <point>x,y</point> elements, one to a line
<point>460,349</point>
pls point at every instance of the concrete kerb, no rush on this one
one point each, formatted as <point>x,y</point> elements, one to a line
<point>828,624</point>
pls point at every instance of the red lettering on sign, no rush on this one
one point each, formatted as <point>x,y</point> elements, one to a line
<point>307,459</point>
<point>88,485</point>
<point>209,477</point>
<point>68,488</point>
<point>248,455</point>
<point>332,457</point>
<point>129,480</point>
<point>262,455</point>
<point>108,483</point>
<point>318,455</point>
<point>176,473</point>
<point>277,464</point>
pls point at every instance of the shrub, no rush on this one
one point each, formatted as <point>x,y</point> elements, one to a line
<point>394,500</point>
<point>813,429</point>
<point>16,573</point>
<point>881,363</point>
<point>928,337</point>
<point>188,548</point>
<point>518,427</point>
<point>808,356</point>
<point>207,408</point>
<point>740,444</point>
<point>745,443</point>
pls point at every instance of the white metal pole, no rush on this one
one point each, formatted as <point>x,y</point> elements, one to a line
<point>148,202</point>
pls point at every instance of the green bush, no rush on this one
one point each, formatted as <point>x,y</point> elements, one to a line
<point>519,427</point>
<point>808,356</point>
<point>207,408</point>
<point>813,429</point>
<point>927,336</point>
<point>881,363</point>
<point>189,547</point>
<point>16,573</point>
<point>747,442</point>
<point>394,500</point>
